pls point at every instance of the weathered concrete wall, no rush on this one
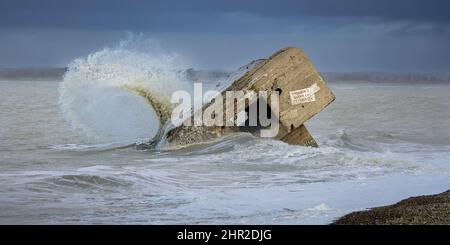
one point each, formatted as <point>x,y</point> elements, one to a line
<point>302,94</point>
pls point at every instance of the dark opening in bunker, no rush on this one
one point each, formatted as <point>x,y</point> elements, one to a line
<point>255,129</point>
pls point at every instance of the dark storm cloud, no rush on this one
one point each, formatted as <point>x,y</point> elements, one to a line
<point>170,15</point>
<point>386,35</point>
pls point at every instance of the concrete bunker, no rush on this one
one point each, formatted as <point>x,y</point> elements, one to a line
<point>302,93</point>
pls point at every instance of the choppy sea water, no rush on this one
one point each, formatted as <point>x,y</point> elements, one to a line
<point>379,143</point>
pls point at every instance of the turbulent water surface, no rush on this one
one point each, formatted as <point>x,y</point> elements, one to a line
<point>379,143</point>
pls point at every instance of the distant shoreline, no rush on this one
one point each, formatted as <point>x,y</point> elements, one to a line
<point>57,73</point>
<point>32,74</point>
<point>378,77</point>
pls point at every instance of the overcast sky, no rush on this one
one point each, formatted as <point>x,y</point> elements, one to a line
<point>339,35</point>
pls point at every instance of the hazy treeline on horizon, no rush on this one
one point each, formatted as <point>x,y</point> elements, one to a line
<point>32,73</point>
<point>57,73</point>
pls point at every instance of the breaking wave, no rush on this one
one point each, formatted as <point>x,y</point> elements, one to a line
<point>121,94</point>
